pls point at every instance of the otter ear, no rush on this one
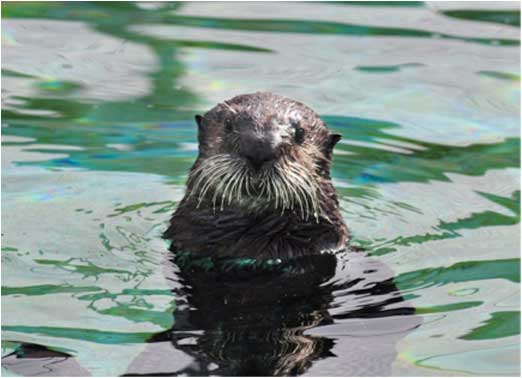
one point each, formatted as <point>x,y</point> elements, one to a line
<point>198,120</point>
<point>329,145</point>
<point>332,141</point>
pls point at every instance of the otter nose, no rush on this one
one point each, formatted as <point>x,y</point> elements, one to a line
<point>258,158</point>
<point>257,152</point>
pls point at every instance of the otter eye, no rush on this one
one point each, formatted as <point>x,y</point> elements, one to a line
<point>299,134</point>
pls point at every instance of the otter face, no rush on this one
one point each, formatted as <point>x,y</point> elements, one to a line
<point>262,151</point>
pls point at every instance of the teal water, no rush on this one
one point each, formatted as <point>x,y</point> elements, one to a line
<point>98,134</point>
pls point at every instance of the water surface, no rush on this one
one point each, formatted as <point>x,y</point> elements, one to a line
<point>98,134</point>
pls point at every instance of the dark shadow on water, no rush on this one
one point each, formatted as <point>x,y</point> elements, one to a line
<point>253,325</point>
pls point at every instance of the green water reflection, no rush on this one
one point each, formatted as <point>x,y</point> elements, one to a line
<point>507,17</point>
<point>501,324</point>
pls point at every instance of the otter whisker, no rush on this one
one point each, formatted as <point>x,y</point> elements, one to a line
<point>216,177</point>
<point>231,182</point>
<point>271,193</point>
<point>277,190</point>
<point>298,192</point>
<point>292,192</point>
<point>281,187</point>
<point>264,188</point>
<point>240,186</point>
<point>217,191</point>
<point>289,191</point>
<point>220,189</point>
<point>304,203</point>
<point>274,188</point>
<point>306,187</point>
<point>232,193</point>
<point>198,175</point>
<point>247,184</point>
<point>236,188</point>
<point>285,204</point>
<point>210,176</point>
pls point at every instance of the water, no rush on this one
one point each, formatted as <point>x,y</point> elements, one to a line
<point>98,135</point>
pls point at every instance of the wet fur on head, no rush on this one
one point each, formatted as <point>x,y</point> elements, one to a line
<point>222,177</point>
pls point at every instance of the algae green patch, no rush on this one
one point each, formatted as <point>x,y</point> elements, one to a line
<point>508,269</point>
<point>500,75</point>
<point>59,86</point>
<point>501,324</point>
<point>163,319</point>
<point>13,73</point>
<point>48,289</point>
<point>386,69</point>
<point>169,206</point>
<point>91,335</point>
<point>447,307</point>
<point>498,16</point>
<point>87,269</point>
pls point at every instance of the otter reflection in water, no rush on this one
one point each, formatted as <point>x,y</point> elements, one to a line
<point>249,321</point>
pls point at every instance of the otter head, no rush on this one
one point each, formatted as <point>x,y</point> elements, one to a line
<point>262,151</point>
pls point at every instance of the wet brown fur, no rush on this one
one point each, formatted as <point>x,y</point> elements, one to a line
<point>237,230</point>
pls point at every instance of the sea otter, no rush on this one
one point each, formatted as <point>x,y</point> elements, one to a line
<point>260,187</point>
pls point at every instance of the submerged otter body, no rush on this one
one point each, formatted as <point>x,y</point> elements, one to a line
<point>260,187</point>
